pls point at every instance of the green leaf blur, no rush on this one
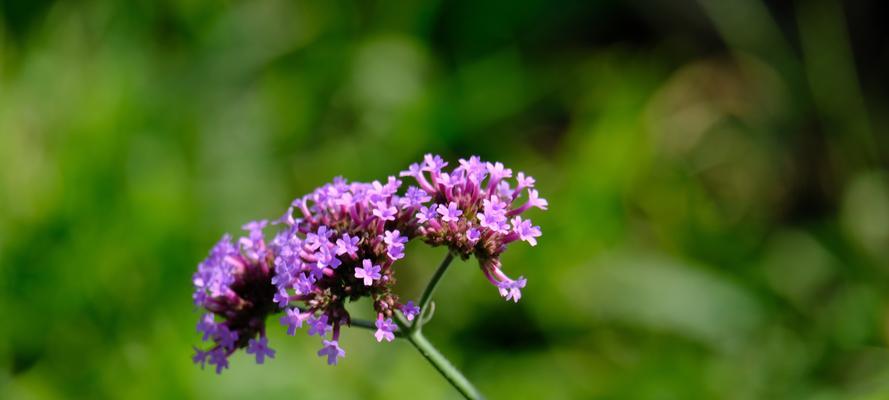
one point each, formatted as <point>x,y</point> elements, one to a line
<point>719,202</point>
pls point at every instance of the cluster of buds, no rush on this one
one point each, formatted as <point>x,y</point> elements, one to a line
<point>340,243</point>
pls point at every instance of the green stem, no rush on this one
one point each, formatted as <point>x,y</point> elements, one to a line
<point>413,334</point>
<point>451,373</point>
<point>430,288</point>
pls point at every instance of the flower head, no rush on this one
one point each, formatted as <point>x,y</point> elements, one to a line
<point>342,242</point>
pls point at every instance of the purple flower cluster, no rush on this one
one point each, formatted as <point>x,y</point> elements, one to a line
<point>477,212</point>
<point>340,242</point>
<point>234,285</point>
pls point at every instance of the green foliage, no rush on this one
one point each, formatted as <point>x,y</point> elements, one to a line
<point>718,214</point>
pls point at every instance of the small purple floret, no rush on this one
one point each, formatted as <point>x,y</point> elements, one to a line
<point>410,310</point>
<point>332,350</point>
<point>294,320</point>
<point>385,329</point>
<point>319,326</point>
<point>261,349</point>
<point>369,273</point>
<point>450,213</point>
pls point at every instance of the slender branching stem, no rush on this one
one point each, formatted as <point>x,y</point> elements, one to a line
<point>414,335</point>
<point>444,367</point>
<point>441,364</point>
<point>430,288</point>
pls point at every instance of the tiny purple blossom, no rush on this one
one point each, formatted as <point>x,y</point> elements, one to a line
<point>255,228</point>
<point>319,326</point>
<point>447,180</point>
<point>394,238</point>
<point>512,290</point>
<point>282,276</point>
<point>473,235</point>
<point>410,310</point>
<point>385,329</point>
<point>524,181</point>
<point>525,231</point>
<point>200,357</point>
<point>225,337</point>
<point>281,298</point>
<point>324,232</point>
<point>286,219</point>
<point>207,326</point>
<point>327,258</point>
<point>536,201</point>
<point>498,171</point>
<point>426,214</point>
<point>394,244</point>
<point>413,170</point>
<point>347,245</point>
<point>494,215</point>
<point>504,190</point>
<point>332,350</point>
<point>414,197</point>
<point>369,273</point>
<point>260,348</point>
<point>219,357</point>
<point>384,212</point>
<point>314,241</point>
<point>433,164</point>
<point>475,169</point>
<point>304,284</point>
<point>294,319</point>
<point>450,213</point>
<point>391,186</point>
<point>395,252</point>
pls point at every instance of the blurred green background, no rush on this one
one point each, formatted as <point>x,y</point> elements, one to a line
<point>719,202</point>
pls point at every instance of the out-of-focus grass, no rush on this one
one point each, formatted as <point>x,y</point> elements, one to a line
<point>718,210</point>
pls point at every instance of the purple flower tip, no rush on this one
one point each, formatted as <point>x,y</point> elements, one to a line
<point>226,337</point>
<point>410,310</point>
<point>294,320</point>
<point>369,273</point>
<point>319,326</point>
<point>385,329</point>
<point>512,290</point>
<point>332,350</point>
<point>525,231</point>
<point>219,357</point>
<point>200,357</point>
<point>450,213</point>
<point>261,349</point>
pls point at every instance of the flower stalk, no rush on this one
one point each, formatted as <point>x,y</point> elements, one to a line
<point>426,298</point>
<point>414,334</point>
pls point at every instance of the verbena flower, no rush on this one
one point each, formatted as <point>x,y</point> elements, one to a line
<point>385,329</point>
<point>341,242</point>
<point>235,286</point>
<point>475,201</point>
